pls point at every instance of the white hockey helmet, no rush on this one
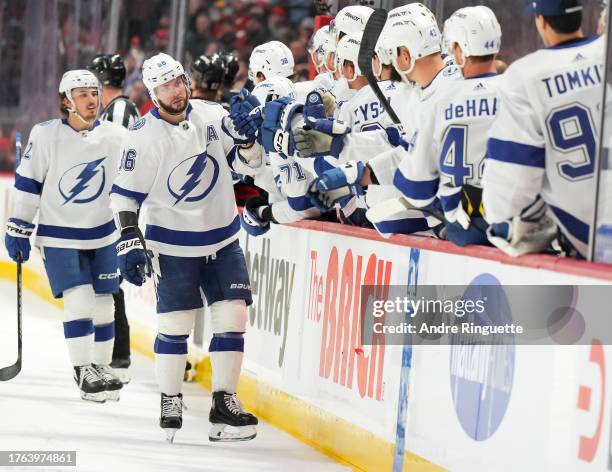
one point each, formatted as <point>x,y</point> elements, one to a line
<point>272,59</point>
<point>348,50</point>
<point>414,27</point>
<point>158,70</point>
<point>273,88</point>
<point>316,47</point>
<point>476,31</point>
<point>351,19</point>
<point>79,78</point>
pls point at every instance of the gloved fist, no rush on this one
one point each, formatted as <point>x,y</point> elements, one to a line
<point>133,260</point>
<point>17,239</point>
<point>245,118</point>
<point>281,117</point>
<point>254,214</point>
<point>338,186</point>
<point>320,137</point>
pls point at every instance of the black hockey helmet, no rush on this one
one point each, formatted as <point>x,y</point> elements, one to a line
<point>109,69</point>
<point>231,67</point>
<point>208,72</point>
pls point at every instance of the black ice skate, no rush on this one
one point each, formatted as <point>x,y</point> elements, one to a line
<point>91,385</point>
<point>113,384</point>
<point>171,419</point>
<point>229,421</point>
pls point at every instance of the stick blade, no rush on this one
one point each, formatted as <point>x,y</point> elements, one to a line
<point>371,33</point>
<point>11,371</point>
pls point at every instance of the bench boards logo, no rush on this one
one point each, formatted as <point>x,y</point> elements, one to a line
<point>482,375</point>
<point>272,282</point>
<point>83,183</point>
<point>194,178</point>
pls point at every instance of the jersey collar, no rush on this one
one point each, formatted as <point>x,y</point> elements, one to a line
<point>65,121</point>
<point>155,113</point>
<point>572,43</point>
<point>483,76</point>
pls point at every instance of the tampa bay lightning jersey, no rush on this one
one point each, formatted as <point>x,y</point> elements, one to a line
<point>453,154</point>
<point>65,176</point>
<point>418,161</point>
<point>364,111</point>
<point>545,137</point>
<point>181,176</point>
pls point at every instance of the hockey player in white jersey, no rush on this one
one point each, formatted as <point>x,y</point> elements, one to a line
<point>64,177</point>
<point>176,166</point>
<point>412,41</point>
<point>544,140</point>
<point>283,178</point>
<point>447,161</point>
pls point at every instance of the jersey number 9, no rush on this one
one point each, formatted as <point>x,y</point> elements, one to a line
<point>571,133</point>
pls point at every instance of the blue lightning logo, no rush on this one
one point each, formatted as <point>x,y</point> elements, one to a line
<point>194,178</point>
<point>90,170</point>
<point>194,174</point>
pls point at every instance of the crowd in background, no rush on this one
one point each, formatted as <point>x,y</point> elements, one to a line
<point>212,26</point>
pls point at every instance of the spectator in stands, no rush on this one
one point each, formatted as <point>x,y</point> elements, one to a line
<point>198,37</point>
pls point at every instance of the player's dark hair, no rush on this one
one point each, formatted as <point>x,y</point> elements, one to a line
<point>62,107</point>
<point>481,59</point>
<point>565,24</point>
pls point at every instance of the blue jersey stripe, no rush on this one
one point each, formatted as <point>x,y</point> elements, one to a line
<point>299,203</point>
<point>192,238</point>
<point>515,153</point>
<point>138,196</point>
<point>65,232</point>
<point>576,228</point>
<point>451,202</point>
<point>403,226</point>
<point>25,184</point>
<point>417,190</point>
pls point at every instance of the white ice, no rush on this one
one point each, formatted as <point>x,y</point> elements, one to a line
<point>41,410</point>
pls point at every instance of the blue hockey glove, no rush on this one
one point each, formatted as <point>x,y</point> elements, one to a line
<point>133,260</point>
<point>280,118</point>
<point>17,239</point>
<point>252,220</point>
<point>244,120</point>
<point>314,107</point>
<point>397,137</point>
<point>337,187</point>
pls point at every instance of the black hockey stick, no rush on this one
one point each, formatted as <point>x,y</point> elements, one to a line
<point>371,33</point>
<point>11,371</point>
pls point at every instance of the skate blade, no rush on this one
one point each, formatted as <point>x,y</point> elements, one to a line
<point>227,433</point>
<point>113,395</point>
<point>123,375</point>
<point>170,432</point>
<point>99,397</point>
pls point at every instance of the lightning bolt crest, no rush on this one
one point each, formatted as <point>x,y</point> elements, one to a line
<point>194,173</point>
<point>83,179</point>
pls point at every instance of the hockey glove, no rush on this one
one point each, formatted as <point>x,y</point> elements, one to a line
<point>314,107</point>
<point>17,239</point>
<point>338,186</point>
<point>322,137</point>
<point>531,231</point>
<point>132,258</point>
<point>280,118</point>
<point>397,137</point>
<point>256,216</point>
<point>244,120</point>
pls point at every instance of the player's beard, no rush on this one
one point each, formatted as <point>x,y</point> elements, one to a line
<point>174,110</point>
